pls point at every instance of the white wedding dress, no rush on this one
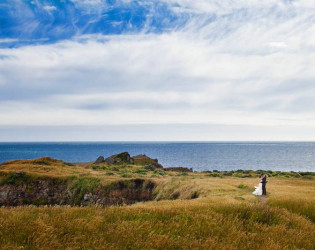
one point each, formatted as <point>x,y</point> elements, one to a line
<point>258,190</point>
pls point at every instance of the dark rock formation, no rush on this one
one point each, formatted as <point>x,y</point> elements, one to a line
<point>110,160</point>
<point>150,167</point>
<point>153,167</point>
<point>100,159</point>
<point>119,158</point>
<point>124,157</point>
<point>40,192</point>
<point>121,192</point>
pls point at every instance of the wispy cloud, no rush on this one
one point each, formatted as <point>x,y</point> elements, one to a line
<point>236,63</point>
<point>49,7</point>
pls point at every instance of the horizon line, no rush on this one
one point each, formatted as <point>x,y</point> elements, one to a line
<point>166,141</point>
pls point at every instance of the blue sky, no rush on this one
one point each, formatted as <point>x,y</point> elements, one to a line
<point>157,70</point>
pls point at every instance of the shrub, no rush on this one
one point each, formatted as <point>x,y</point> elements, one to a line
<point>80,186</point>
<point>228,173</point>
<point>246,176</point>
<point>242,186</point>
<point>238,175</point>
<point>15,177</point>
<point>114,168</point>
<point>159,172</point>
<point>141,171</point>
<point>183,174</point>
<point>84,184</point>
<point>214,175</point>
<point>194,195</point>
<point>307,173</point>
<point>126,175</point>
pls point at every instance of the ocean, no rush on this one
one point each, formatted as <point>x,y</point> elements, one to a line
<point>201,156</point>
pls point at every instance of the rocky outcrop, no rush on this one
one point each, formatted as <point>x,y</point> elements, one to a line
<point>153,167</point>
<point>119,158</point>
<point>39,192</point>
<point>21,189</point>
<point>100,159</point>
<point>143,160</point>
<point>122,192</point>
<point>149,163</point>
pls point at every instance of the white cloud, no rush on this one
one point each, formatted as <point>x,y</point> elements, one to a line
<point>254,68</point>
<point>227,6</point>
<point>89,2</point>
<point>50,8</point>
<point>7,40</point>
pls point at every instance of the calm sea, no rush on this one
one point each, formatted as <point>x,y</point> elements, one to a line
<point>284,156</point>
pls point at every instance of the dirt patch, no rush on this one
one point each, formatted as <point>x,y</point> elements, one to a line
<point>262,200</point>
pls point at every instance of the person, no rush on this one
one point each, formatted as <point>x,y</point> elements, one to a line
<point>264,181</point>
<point>258,189</point>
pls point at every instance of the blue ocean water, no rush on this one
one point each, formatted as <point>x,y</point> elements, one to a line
<point>282,156</point>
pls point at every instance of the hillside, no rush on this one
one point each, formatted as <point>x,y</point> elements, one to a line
<point>171,209</point>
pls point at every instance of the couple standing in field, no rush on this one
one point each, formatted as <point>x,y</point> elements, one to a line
<point>261,189</point>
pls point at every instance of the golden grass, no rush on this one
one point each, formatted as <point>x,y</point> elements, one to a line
<point>224,216</point>
<point>43,166</point>
<point>158,225</point>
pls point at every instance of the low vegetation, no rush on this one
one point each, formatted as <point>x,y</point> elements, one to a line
<point>212,210</point>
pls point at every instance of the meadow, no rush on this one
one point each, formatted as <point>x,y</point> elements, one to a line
<point>190,211</point>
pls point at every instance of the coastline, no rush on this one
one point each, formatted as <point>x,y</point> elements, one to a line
<point>52,204</point>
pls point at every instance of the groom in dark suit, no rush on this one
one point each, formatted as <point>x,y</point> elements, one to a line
<point>264,181</point>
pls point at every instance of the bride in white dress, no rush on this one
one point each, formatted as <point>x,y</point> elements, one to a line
<point>258,189</point>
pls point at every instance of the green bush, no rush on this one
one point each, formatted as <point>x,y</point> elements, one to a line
<point>114,168</point>
<point>183,174</point>
<point>242,186</point>
<point>126,175</point>
<point>159,172</point>
<point>238,175</point>
<point>80,186</point>
<point>15,177</point>
<point>214,175</point>
<point>195,195</point>
<point>227,173</point>
<point>141,171</point>
<point>84,183</point>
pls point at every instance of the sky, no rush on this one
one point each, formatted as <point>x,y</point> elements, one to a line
<point>157,70</point>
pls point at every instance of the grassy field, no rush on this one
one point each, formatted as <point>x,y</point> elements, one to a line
<point>207,212</point>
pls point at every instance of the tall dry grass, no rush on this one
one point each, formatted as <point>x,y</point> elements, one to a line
<point>224,215</point>
<point>164,225</point>
<point>217,221</point>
